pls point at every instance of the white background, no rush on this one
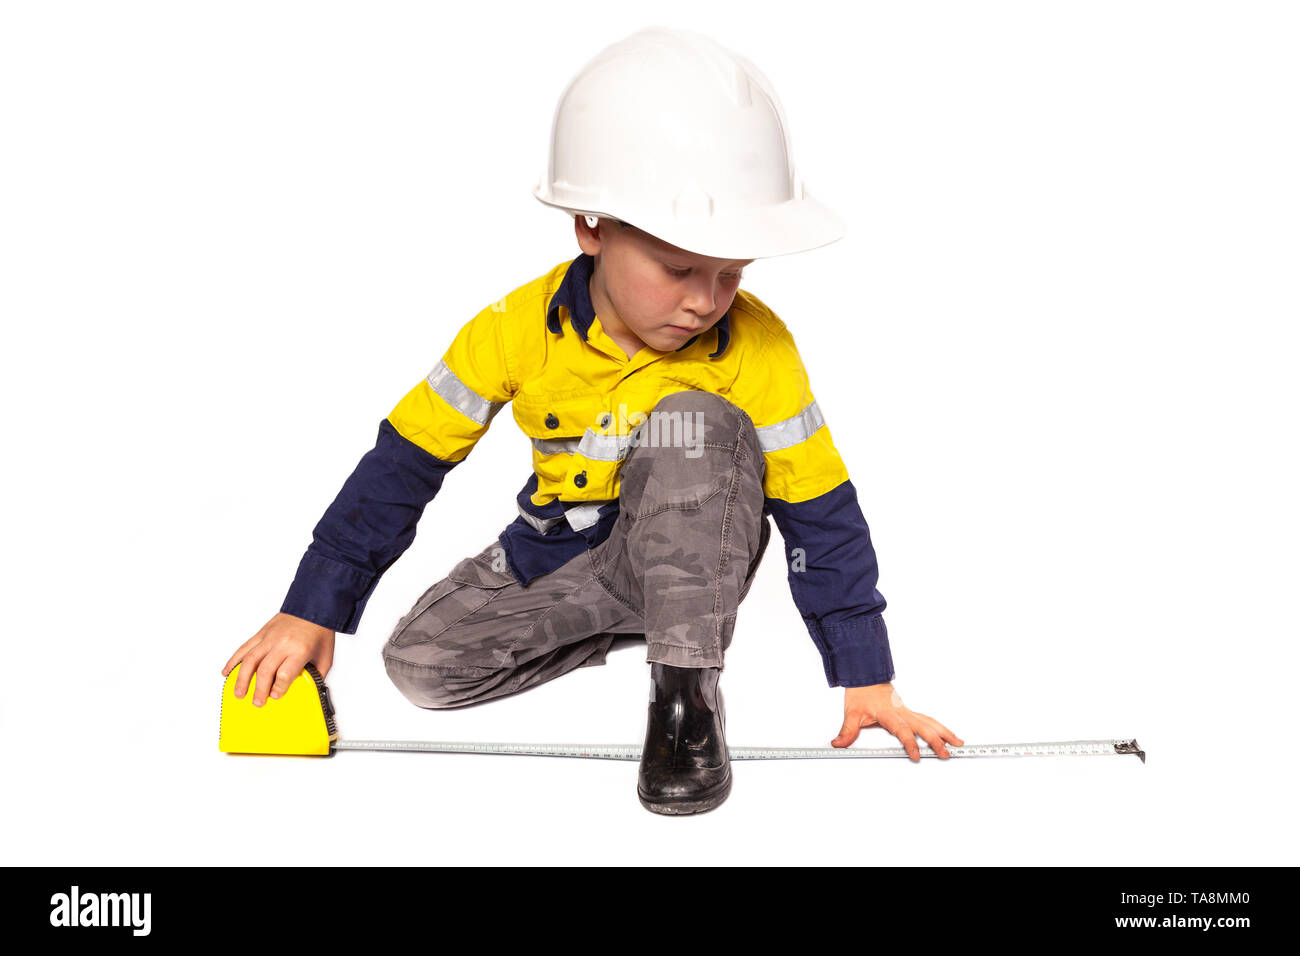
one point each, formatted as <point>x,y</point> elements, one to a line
<point>1056,349</point>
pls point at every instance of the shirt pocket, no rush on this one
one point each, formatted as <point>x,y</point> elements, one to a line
<point>545,419</point>
<point>575,451</point>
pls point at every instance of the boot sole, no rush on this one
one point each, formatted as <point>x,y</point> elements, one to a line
<point>700,804</point>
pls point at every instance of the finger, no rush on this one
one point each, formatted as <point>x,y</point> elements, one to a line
<point>932,738</point>
<point>897,726</point>
<point>238,656</point>
<point>287,673</point>
<point>947,734</point>
<point>247,669</point>
<point>266,677</point>
<point>849,731</point>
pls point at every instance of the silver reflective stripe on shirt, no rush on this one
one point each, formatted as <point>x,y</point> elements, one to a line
<point>460,396</point>
<point>556,446</point>
<point>604,447</point>
<point>590,445</point>
<point>791,431</point>
<point>585,515</point>
<point>541,524</point>
<point>579,516</point>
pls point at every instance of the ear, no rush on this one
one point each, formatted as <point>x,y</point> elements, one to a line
<point>588,234</point>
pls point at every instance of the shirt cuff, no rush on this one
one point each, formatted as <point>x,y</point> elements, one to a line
<point>329,593</point>
<point>855,652</point>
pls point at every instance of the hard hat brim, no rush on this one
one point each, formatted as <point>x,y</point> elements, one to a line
<point>766,232</point>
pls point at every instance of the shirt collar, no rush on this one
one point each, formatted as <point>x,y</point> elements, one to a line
<point>575,295</point>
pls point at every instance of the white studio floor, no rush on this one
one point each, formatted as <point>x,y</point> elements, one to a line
<point>1056,350</point>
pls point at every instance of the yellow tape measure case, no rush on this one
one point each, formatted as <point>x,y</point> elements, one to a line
<point>300,722</point>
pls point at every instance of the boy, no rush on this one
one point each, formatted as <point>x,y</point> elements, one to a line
<point>669,413</point>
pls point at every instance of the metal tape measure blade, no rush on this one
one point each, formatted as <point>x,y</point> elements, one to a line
<point>1064,748</point>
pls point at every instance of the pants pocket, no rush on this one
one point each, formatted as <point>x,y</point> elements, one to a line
<point>671,480</point>
<point>470,585</point>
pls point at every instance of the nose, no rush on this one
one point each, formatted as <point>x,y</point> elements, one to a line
<point>701,297</point>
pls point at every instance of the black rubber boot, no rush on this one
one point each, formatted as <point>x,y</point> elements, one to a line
<point>684,765</point>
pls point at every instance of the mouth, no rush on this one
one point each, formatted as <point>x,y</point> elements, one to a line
<point>682,330</point>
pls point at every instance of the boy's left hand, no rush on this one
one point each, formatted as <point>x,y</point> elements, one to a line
<point>880,704</point>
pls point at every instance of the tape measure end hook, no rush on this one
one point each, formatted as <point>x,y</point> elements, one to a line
<point>1131,747</point>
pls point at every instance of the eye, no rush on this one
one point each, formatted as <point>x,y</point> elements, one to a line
<point>682,273</point>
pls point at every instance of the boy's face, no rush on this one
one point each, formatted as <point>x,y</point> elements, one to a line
<point>645,290</point>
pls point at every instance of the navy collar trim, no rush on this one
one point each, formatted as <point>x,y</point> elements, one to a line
<point>575,295</point>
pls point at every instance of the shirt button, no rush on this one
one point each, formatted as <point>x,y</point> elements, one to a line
<point>552,421</point>
<point>580,479</point>
<point>605,420</point>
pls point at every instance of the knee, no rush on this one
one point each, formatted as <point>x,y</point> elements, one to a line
<point>436,688</point>
<point>706,403</point>
<point>706,414</point>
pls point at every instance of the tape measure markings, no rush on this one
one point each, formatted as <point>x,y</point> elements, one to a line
<point>1063,748</point>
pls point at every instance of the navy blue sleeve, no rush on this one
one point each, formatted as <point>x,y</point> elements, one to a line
<point>832,571</point>
<point>368,527</point>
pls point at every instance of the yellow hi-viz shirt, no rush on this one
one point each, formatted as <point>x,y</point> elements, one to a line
<point>577,396</point>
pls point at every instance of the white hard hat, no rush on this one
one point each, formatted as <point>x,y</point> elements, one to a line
<point>678,136</point>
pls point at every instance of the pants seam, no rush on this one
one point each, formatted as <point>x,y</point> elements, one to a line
<point>696,648</point>
<point>724,550</point>
<point>609,588</point>
<point>519,678</point>
<point>691,507</point>
<point>442,670</point>
<point>459,585</point>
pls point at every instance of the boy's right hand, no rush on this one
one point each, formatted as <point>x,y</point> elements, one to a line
<point>278,653</point>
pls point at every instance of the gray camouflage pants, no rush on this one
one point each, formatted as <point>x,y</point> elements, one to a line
<point>678,562</point>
